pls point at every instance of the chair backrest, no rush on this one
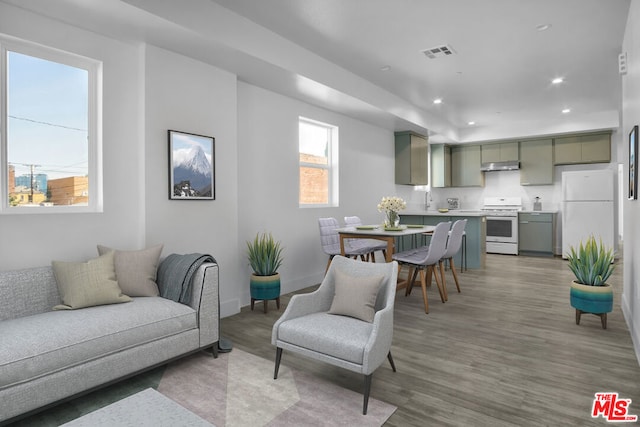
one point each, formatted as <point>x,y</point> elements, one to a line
<point>389,271</point>
<point>329,237</point>
<point>352,221</point>
<point>455,238</point>
<point>438,243</point>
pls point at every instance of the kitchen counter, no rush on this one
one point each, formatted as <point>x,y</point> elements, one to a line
<point>452,212</point>
<point>542,211</point>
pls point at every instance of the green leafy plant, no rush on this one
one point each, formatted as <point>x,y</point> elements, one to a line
<point>591,263</point>
<point>265,255</point>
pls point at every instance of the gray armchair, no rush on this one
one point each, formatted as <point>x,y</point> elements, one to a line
<point>306,327</point>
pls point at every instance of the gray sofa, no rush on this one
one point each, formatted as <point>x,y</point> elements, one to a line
<point>47,356</point>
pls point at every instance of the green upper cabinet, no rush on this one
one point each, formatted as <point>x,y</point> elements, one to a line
<point>465,166</point>
<point>440,166</point>
<point>499,152</point>
<point>592,148</point>
<point>536,162</point>
<point>412,159</point>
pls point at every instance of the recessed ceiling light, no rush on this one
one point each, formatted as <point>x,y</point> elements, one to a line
<point>543,27</point>
<point>557,80</point>
<point>566,110</point>
<point>471,123</point>
<point>385,68</point>
<point>437,101</point>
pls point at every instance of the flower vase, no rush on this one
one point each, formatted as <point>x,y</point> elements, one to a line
<point>392,219</point>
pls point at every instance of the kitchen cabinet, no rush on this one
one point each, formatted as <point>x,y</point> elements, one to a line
<point>440,166</point>
<point>499,152</point>
<point>592,148</point>
<point>536,162</point>
<point>465,166</point>
<point>412,159</point>
<point>536,231</point>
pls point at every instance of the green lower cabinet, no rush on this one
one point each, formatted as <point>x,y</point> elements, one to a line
<point>536,233</point>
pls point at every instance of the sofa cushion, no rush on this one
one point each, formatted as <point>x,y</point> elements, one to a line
<point>136,270</point>
<point>355,296</point>
<point>38,345</point>
<point>85,284</point>
<point>26,292</point>
<point>338,336</point>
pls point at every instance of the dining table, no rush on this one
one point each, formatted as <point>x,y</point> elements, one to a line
<point>380,232</point>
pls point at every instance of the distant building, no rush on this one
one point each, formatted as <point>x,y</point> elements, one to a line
<point>39,181</point>
<point>22,195</point>
<point>12,178</point>
<point>73,190</point>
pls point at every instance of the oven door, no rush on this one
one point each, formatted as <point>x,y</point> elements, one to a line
<point>503,229</point>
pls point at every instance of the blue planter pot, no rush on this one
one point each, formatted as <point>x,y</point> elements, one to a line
<point>591,299</point>
<point>596,300</point>
<point>265,287</point>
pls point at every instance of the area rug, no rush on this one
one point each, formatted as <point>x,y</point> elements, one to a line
<point>238,389</point>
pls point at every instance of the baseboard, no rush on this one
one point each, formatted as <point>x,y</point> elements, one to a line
<point>633,330</point>
<point>229,308</point>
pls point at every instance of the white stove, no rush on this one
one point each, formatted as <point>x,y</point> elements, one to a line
<point>502,224</point>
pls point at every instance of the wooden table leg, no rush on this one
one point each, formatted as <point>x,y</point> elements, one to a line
<point>389,253</point>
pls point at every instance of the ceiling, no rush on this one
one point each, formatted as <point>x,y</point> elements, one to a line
<point>365,57</point>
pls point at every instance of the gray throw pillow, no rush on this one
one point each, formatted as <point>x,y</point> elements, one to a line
<point>355,296</point>
<point>86,284</point>
<point>136,270</point>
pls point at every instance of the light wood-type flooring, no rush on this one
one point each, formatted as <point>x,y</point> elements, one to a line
<point>505,351</point>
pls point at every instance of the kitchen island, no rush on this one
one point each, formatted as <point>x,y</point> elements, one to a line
<point>476,232</point>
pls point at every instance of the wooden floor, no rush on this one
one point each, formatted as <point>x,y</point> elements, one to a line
<point>505,351</point>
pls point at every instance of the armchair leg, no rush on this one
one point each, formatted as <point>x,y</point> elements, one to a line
<point>367,389</point>
<point>390,358</point>
<point>278,358</point>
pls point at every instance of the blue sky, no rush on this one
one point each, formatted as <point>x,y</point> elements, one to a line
<point>48,116</point>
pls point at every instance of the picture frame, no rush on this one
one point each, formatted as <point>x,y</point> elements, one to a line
<point>191,166</point>
<point>633,163</point>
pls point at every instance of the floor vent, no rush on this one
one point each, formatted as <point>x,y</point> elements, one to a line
<point>439,52</point>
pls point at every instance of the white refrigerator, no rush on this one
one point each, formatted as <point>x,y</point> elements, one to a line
<point>587,207</point>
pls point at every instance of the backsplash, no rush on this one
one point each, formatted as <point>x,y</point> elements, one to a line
<point>497,184</point>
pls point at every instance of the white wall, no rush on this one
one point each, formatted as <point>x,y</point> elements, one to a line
<point>34,240</point>
<point>268,180</point>
<point>631,117</point>
<point>187,95</point>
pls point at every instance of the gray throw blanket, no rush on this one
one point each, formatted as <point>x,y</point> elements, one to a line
<point>175,274</point>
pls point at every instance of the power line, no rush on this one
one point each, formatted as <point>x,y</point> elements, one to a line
<point>46,123</point>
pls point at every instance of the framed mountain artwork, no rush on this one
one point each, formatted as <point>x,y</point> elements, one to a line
<point>191,166</point>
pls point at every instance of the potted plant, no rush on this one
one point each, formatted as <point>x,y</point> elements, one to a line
<point>265,258</point>
<point>592,264</point>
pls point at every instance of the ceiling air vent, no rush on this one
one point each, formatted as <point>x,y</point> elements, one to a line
<point>439,52</point>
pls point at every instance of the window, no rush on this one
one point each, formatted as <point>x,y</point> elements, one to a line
<point>49,122</point>
<point>318,150</point>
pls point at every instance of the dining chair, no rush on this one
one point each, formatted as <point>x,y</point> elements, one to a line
<point>330,241</point>
<point>346,322</point>
<point>373,244</point>
<point>454,243</point>
<point>425,260</point>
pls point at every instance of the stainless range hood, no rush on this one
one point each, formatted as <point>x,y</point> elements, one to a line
<point>500,166</point>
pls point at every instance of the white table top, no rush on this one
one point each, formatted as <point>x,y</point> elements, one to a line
<point>380,231</point>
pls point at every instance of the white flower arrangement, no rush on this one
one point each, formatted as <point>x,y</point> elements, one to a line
<point>391,204</point>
